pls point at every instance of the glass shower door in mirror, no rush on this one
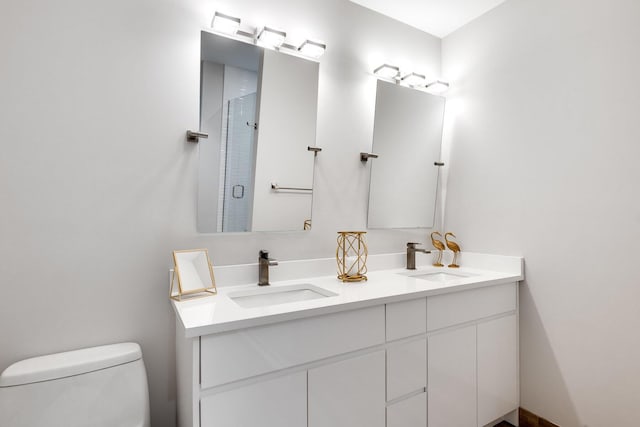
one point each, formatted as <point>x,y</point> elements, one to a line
<point>237,167</point>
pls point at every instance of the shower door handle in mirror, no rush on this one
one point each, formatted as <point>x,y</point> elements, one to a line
<point>237,192</point>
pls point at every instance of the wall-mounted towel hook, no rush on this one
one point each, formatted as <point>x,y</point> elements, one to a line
<point>254,126</point>
<point>366,156</point>
<point>315,150</point>
<point>193,136</point>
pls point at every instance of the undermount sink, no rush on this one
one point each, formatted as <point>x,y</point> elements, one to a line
<point>441,277</point>
<point>262,297</point>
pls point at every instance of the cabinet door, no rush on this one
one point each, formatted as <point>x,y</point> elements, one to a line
<point>279,402</point>
<point>349,393</point>
<point>497,369</point>
<point>451,377</point>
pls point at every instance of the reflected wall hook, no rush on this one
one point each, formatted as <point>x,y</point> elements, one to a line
<point>254,126</point>
<point>366,156</point>
<point>193,136</point>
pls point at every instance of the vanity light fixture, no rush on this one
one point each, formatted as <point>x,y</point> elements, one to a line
<point>225,23</point>
<point>312,49</point>
<point>265,36</point>
<point>413,79</point>
<point>271,37</point>
<point>387,71</point>
<point>437,87</point>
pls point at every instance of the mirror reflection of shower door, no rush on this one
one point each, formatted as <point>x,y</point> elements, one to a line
<point>239,160</point>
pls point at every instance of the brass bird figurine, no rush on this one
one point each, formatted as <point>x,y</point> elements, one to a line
<point>454,247</point>
<point>439,245</point>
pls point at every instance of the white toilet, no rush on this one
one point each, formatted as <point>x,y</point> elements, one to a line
<point>95,387</point>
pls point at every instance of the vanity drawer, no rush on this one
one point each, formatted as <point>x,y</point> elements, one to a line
<point>279,402</point>
<point>232,356</point>
<point>406,368</point>
<point>460,307</point>
<point>408,413</point>
<point>406,318</point>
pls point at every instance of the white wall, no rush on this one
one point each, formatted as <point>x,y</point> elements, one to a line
<point>98,185</point>
<point>211,114</point>
<point>544,163</point>
<point>286,127</point>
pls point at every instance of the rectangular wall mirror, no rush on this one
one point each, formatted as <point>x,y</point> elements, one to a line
<point>259,107</point>
<point>407,137</point>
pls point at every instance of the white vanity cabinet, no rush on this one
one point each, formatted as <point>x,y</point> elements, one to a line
<point>472,356</point>
<point>411,412</point>
<point>452,378</point>
<point>286,373</point>
<point>447,360</point>
<point>348,393</point>
<point>497,368</point>
<point>278,402</point>
<point>406,327</point>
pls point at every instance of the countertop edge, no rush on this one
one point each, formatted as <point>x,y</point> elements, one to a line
<point>196,331</point>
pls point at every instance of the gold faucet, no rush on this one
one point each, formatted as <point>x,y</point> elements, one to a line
<point>439,245</point>
<point>454,247</point>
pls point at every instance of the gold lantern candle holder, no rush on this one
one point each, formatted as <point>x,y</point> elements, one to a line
<point>351,256</point>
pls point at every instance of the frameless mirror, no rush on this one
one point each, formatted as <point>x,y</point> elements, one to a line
<point>407,138</point>
<point>194,271</point>
<point>259,108</point>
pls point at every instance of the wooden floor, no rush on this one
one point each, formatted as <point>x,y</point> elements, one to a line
<point>529,419</point>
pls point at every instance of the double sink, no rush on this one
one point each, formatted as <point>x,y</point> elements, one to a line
<point>268,296</point>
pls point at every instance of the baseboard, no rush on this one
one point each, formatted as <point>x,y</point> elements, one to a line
<point>529,419</point>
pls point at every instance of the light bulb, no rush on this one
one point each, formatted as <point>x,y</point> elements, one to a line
<point>271,37</point>
<point>413,79</point>
<point>225,23</point>
<point>438,87</point>
<point>313,49</point>
<point>387,71</point>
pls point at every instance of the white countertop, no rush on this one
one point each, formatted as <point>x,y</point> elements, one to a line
<point>219,313</point>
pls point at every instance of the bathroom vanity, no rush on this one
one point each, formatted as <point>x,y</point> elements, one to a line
<point>436,347</point>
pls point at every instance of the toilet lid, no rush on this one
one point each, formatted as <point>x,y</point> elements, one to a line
<point>60,365</point>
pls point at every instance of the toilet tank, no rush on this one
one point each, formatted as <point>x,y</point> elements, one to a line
<point>94,387</point>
